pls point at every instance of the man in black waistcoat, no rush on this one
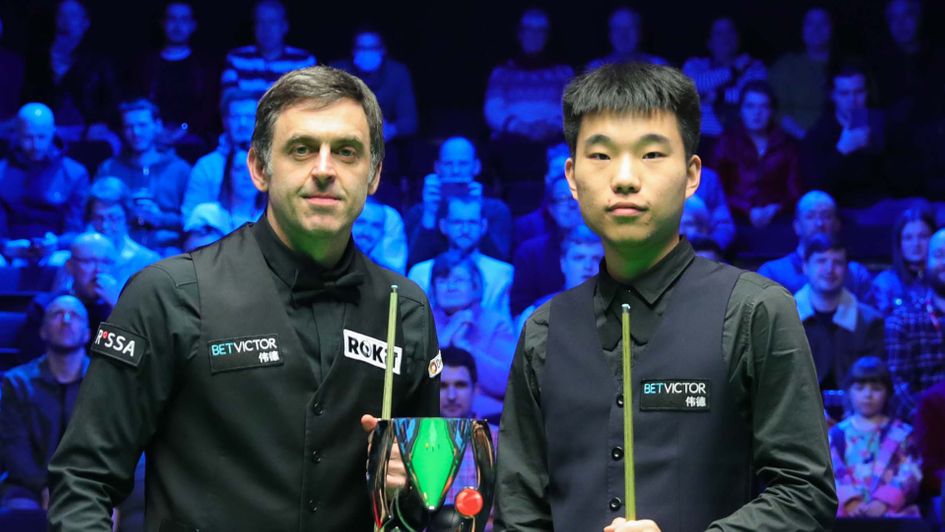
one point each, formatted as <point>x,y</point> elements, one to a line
<point>247,369</point>
<point>724,388</point>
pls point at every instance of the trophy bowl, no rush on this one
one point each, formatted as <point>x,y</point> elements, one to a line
<point>432,449</point>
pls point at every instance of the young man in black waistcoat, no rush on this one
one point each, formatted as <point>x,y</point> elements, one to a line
<point>724,388</point>
<point>245,369</point>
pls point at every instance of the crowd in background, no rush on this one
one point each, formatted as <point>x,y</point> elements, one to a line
<point>824,172</point>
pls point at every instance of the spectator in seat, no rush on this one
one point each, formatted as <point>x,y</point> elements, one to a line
<point>157,177</point>
<point>816,213</point>
<point>875,461</point>
<point>36,402</point>
<point>625,31</point>
<point>544,219</point>
<point>758,161</point>
<point>455,171</point>
<point>904,283</point>
<point>255,67</point>
<point>42,192</point>
<point>379,233</point>
<point>207,223</point>
<point>930,439</point>
<point>839,328</point>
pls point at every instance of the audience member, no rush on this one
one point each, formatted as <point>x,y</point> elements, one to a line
<point>625,31</point>
<point>904,283</point>
<point>712,193</point>
<point>757,160</point>
<point>255,67</point>
<point>842,153</point>
<point>78,84</point>
<point>695,218</point>
<point>532,279</point>
<point>455,171</point>
<point>36,402</point>
<point>557,208</point>
<point>930,439</point>
<point>207,223</point>
<point>720,77</point>
<point>222,175</point>
<point>816,213</point>
<point>461,321</point>
<point>800,78</point>
<point>839,328</point>
<point>42,192</point>
<point>379,233</point>
<point>13,67</point>
<point>463,224</point>
<point>157,177</point>
<point>875,461</point>
<point>389,79</point>
<point>107,212</point>
<point>914,343</point>
<point>178,79</point>
<point>523,96</point>
<point>580,253</point>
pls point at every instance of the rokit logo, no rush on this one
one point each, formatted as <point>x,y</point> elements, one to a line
<point>119,344</point>
<point>363,348</point>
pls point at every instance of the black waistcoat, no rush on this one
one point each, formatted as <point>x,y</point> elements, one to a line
<point>692,467</point>
<point>269,448</point>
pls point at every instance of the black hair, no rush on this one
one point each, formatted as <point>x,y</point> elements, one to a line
<point>821,242</point>
<point>869,369</point>
<point>759,86</point>
<point>633,88</point>
<point>455,357</point>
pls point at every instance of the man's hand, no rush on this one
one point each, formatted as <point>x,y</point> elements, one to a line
<point>622,525</point>
<point>762,216</point>
<point>396,472</point>
<point>106,287</point>
<point>873,509</point>
<point>456,328</point>
<point>852,140</point>
<point>432,195</point>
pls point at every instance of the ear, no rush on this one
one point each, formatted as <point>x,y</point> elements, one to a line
<point>569,175</point>
<point>477,167</point>
<point>257,171</point>
<point>442,224</point>
<point>693,175</point>
<point>484,225</point>
<point>375,180</point>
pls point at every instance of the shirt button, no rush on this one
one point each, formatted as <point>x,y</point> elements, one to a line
<point>316,457</point>
<point>615,504</point>
<point>313,505</point>
<point>620,400</point>
<point>616,453</point>
<point>317,408</point>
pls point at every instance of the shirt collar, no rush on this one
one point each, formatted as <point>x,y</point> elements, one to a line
<point>653,283</point>
<point>46,374</point>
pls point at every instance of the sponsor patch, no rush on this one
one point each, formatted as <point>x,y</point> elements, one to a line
<point>119,344</point>
<point>436,365</point>
<point>228,354</point>
<point>688,395</point>
<point>363,348</point>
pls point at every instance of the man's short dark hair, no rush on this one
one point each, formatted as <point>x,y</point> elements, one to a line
<point>234,95</point>
<point>108,191</point>
<point>139,104</point>
<point>455,357</point>
<point>848,70</point>
<point>822,242</point>
<point>633,88</point>
<point>759,86</point>
<point>579,235</point>
<point>323,85</point>
<point>466,199</point>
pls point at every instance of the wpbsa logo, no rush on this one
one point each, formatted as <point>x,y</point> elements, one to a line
<point>115,342</point>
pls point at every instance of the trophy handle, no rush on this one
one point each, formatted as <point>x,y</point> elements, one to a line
<point>484,453</point>
<point>378,456</point>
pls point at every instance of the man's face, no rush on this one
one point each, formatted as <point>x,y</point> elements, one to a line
<point>201,236</point>
<point>87,263</point>
<point>456,291</point>
<point>756,111</point>
<point>239,122</point>
<point>270,27</point>
<point>581,262</point>
<point>849,93</point>
<point>109,220</point>
<point>562,207</point>
<point>630,176</point>
<point>369,227</point>
<point>65,325</point>
<point>35,139</point>
<point>817,29</point>
<point>321,170</point>
<point>368,53</point>
<point>693,224</point>
<point>723,39</point>
<point>71,20</point>
<point>915,241</point>
<point>935,267</point>
<point>818,218</point>
<point>624,32</point>
<point>533,33</point>
<point>456,392</point>
<point>463,225</point>
<point>826,271</point>
<point>179,24</point>
<point>457,162</point>
<point>902,17</point>
<point>140,129</point>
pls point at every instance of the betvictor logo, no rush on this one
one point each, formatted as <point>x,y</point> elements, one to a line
<point>363,348</point>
